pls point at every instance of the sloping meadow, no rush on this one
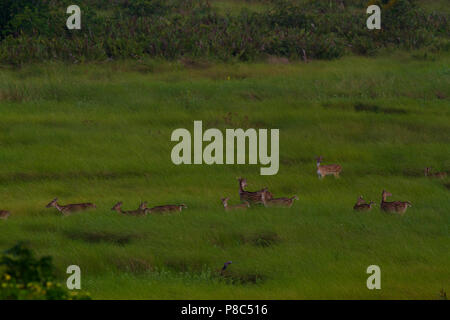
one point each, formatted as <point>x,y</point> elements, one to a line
<point>101,133</point>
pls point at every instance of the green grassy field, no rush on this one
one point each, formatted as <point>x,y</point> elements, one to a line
<point>101,133</point>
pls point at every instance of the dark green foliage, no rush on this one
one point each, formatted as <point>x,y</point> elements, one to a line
<point>21,265</point>
<point>26,277</point>
<point>174,28</point>
<point>23,16</point>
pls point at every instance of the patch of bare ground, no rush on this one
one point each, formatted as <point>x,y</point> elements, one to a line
<point>277,60</point>
<point>414,173</point>
<point>363,107</point>
<point>194,63</point>
<point>185,264</point>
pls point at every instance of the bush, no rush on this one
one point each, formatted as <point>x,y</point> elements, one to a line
<point>23,16</point>
<point>172,29</point>
<point>26,278</point>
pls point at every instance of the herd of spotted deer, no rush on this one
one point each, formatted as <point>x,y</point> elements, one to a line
<point>263,196</point>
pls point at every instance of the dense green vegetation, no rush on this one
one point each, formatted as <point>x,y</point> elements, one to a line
<point>33,31</point>
<point>26,277</point>
<point>101,133</point>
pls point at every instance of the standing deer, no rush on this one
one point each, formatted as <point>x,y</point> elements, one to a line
<point>324,170</point>
<point>70,208</point>
<point>439,175</point>
<point>251,197</point>
<point>166,208</point>
<point>395,206</point>
<point>138,212</point>
<point>227,207</point>
<point>278,202</point>
<point>4,214</point>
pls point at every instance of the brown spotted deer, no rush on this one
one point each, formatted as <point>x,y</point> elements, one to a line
<point>361,205</point>
<point>70,208</point>
<point>278,202</point>
<point>4,214</point>
<point>395,206</point>
<point>324,170</point>
<point>252,197</point>
<point>439,175</point>
<point>138,212</point>
<point>360,200</point>
<point>227,207</point>
<point>166,208</point>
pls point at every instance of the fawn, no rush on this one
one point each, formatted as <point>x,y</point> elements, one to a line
<point>439,175</point>
<point>166,208</point>
<point>278,202</point>
<point>251,197</point>
<point>395,206</point>
<point>138,212</point>
<point>324,170</point>
<point>227,207</point>
<point>70,208</point>
<point>361,205</point>
<point>4,214</point>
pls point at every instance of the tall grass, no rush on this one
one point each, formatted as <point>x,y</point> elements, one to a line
<point>101,133</point>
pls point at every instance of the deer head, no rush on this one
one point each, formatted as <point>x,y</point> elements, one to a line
<point>52,203</point>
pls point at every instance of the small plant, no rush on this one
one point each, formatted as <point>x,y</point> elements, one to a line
<point>24,277</point>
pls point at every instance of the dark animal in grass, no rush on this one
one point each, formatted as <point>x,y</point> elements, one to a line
<point>225,266</point>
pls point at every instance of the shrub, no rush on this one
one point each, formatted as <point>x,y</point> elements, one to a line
<point>174,28</point>
<point>25,277</point>
<point>23,16</point>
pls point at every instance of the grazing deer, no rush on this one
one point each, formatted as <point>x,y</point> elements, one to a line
<point>395,206</point>
<point>166,208</point>
<point>439,175</point>
<point>324,170</point>
<point>138,212</point>
<point>4,214</point>
<point>278,202</point>
<point>70,208</point>
<point>227,207</point>
<point>252,197</point>
<point>361,205</point>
